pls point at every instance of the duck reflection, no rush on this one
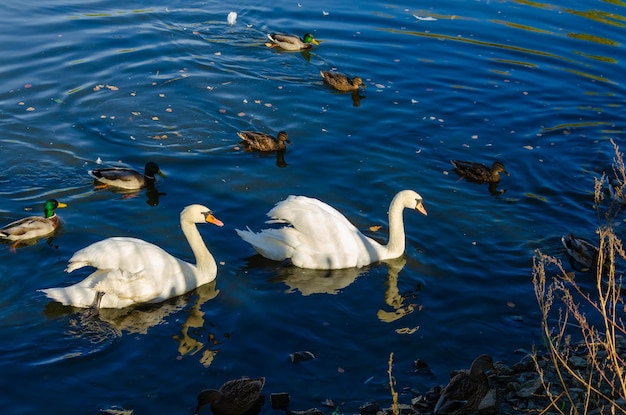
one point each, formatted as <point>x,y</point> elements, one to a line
<point>356,98</point>
<point>152,193</point>
<point>108,324</point>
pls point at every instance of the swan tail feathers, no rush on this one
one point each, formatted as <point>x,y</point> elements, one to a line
<point>274,244</point>
<point>71,296</point>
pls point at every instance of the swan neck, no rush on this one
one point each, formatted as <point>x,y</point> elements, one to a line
<point>396,244</point>
<point>205,263</point>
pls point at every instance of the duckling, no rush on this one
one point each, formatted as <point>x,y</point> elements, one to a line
<point>264,142</point>
<point>33,227</point>
<point>583,255</point>
<point>235,397</point>
<point>291,42</point>
<point>125,178</point>
<point>465,392</point>
<point>341,82</point>
<point>478,172</point>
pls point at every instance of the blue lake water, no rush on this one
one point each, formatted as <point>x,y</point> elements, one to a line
<point>538,85</point>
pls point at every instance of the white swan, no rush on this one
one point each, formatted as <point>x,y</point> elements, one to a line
<point>132,271</point>
<point>319,237</point>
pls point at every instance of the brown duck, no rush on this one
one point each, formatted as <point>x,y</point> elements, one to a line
<point>583,254</point>
<point>478,172</point>
<point>264,142</point>
<point>341,82</point>
<point>465,392</point>
<point>235,397</point>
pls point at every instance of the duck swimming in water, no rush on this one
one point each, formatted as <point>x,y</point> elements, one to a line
<point>583,254</point>
<point>264,142</point>
<point>341,82</point>
<point>478,172</point>
<point>33,227</point>
<point>291,42</point>
<point>125,178</point>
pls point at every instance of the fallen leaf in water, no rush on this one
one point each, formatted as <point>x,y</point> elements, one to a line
<point>375,228</point>
<point>30,109</point>
<point>112,88</point>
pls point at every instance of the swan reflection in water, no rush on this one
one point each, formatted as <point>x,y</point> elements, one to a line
<point>311,281</point>
<point>110,323</point>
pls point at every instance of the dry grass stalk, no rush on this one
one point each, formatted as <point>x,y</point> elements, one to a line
<point>604,377</point>
<point>394,394</point>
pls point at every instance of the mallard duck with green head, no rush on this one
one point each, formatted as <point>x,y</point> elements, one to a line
<point>260,141</point>
<point>341,82</point>
<point>466,390</point>
<point>478,172</point>
<point>34,227</point>
<point>126,178</point>
<point>235,397</point>
<point>291,42</point>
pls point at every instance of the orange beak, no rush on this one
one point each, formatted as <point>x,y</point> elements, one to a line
<point>420,207</point>
<point>212,219</point>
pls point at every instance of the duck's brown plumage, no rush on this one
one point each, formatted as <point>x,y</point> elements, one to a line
<point>478,172</point>
<point>583,254</point>
<point>264,142</point>
<point>466,390</point>
<point>341,82</point>
<point>235,397</point>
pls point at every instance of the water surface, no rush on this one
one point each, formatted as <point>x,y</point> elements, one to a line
<point>536,85</point>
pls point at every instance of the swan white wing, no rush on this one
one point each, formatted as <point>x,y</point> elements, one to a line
<point>130,255</point>
<point>128,271</point>
<point>320,236</point>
